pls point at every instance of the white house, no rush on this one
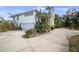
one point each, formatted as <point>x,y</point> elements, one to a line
<point>26,19</point>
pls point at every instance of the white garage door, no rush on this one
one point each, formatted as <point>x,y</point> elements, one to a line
<point>27,26</point>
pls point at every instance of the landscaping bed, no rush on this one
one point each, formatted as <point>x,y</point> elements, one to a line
<point>31,33</point>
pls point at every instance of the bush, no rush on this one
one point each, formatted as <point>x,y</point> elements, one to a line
<point>38,27</point>
<point>1,30</point>
<point>58,22</point>
<point>74,44</point>
<point>29,33</point>
<point>42,25</point>
<point>18,27</point>
<point>7,25</point>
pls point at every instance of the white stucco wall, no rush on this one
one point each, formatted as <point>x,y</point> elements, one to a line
<point>26,19</point>
<point>51,20</point>
<point>27,22</point>
<point>27,26</point>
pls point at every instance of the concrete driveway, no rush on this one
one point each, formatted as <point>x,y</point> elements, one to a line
<point>54,41</point>
<point>13,41</point>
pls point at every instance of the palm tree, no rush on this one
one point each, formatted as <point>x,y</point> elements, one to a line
<point>50,16</point>
<point>50,9</point>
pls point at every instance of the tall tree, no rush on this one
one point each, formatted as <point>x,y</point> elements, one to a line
<point>50,9</point>
<point>58,21</point>
<point>51,16</point>
<point>72,18</point>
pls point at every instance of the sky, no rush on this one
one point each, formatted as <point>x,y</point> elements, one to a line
<point>6,11</point>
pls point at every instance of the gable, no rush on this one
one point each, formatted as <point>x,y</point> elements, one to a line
<point>24,13</point>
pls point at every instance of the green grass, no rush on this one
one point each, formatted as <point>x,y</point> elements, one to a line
<point>74,44</point>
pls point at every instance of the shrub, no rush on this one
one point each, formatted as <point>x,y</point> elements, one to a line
<point>29,33</point>
<point>1,30</point>
<point>7,25</point>
<point>18,27</point>
<point>74,44</point>
<point>38,26</point>
<point>42,25</point>
<point>58,22</point>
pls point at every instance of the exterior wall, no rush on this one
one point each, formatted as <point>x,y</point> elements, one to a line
<point>15,21</point>
<point>51,20</point>
<point>27,22</point>
<point>27,26</point>
<point>26,19</point>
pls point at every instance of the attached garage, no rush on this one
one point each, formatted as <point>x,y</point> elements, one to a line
<point>27,26</point>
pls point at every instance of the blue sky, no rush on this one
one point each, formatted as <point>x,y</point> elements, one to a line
<point>6,11</point>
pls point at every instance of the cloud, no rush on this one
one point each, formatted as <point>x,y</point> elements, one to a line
<point>18,10</point>
<point>63,9</point>
<point>5,15</point>
<point>39,7</point>
<point>42,8</point>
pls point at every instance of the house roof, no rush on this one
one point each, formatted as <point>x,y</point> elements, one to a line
<point>18,14</point>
